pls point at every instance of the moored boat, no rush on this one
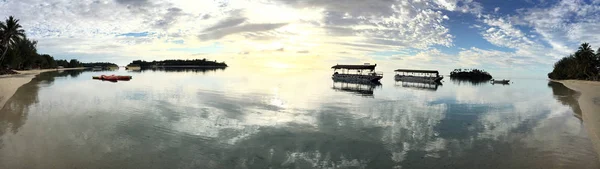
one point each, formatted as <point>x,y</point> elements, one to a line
<point>411,75</point>
<point>112,77</point>
<point>358,73</point>
<point>503,81</point>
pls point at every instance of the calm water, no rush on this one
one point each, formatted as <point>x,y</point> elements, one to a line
<point>236,118</point>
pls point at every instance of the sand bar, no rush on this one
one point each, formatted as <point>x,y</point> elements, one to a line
<point>10,83</point>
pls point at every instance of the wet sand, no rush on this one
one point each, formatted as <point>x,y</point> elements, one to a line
<point>10,83</point>
<point>589,102</point>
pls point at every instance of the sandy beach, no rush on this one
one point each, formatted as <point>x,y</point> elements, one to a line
<point>589,102</point>
<point>10,83</point>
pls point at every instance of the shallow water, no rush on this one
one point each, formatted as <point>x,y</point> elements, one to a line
<point>287,118</point>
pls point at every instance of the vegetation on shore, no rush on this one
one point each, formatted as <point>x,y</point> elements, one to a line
<point>584,64</point>
<point>99,64</point>
<point>176,63</point>
<point>20,53</point>
<point>473,74</point>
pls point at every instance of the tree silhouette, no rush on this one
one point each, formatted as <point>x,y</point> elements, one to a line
<point>582,65</point>
<point>10,32</point>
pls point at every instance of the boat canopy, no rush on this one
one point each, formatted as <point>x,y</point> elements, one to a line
<point>417,71</point>
<point>356,67</point>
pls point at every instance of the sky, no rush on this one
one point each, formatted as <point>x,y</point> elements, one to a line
<point>509,38</point>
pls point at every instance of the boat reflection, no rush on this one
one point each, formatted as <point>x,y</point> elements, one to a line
<point>430,86</point>
<point>362,88</point>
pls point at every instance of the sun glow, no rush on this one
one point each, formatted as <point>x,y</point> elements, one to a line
<point>278,65</point>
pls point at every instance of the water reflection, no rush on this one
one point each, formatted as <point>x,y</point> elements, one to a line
<point>433,86</point>
<point>14,113</point>
<point>182,69</point>
<point>566,96</point>
<point>359,88</point>
<point>224,120</point>
<point>474,82</point>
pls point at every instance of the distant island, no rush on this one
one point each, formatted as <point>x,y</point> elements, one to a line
<point>100,64</point>
<point>195,63</point>
<point>471,74</point>
<point>584,64</point>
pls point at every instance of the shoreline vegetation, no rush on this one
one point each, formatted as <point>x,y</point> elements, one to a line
<point>584,64</point>
<point>195,63</point>
<point>20,53</point>
<point>470,74</point>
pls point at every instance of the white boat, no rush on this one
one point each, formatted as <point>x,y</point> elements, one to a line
<point>410,75</point>
<point>356,73</point>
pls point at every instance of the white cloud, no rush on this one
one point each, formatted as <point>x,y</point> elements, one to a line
<point>565,25</point>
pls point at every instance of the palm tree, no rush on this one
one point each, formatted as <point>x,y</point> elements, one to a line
<point>10,32</point>
<point>585,47</point>
<point>586,62</point>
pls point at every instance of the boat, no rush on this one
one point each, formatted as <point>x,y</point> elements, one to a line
<point>112,77</point>
<point>356,73</point>
<point>411,75</point>
<point>503,81</point>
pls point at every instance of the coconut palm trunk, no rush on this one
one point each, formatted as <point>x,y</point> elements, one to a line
<point>2,57</point>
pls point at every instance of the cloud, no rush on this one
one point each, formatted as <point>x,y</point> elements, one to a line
<point>220,33</point>
<point>501,32</point>
<point>169,18</point>
<point>132,2</point>
<point>226,24</point>
<point>565,24</point>
<point>387,22</point>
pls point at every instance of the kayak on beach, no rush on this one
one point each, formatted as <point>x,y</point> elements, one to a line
<point>112,77</point>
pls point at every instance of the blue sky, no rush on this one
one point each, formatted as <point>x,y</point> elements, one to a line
<point>511,38</point>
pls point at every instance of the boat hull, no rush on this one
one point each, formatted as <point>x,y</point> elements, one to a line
<point>356,78</point>
<point>418,79</point>
<point>112,78</point>
<point>500,81</point>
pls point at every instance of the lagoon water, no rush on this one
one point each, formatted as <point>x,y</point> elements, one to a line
<point>287,118</point>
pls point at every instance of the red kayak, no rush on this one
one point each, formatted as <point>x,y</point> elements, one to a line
<point>112,77</point>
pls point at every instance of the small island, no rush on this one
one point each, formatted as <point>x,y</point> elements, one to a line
<point>104,65</point>
<point>470,74</point>
<point>195,63</point>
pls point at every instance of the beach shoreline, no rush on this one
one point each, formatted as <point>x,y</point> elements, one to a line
<point>10,83</point>
<point>589,103</point>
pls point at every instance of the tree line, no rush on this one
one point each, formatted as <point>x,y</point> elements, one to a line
<point>474,74</point>
<point>178,62</point>
<point>19,52</point>
<point>584,64</point>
